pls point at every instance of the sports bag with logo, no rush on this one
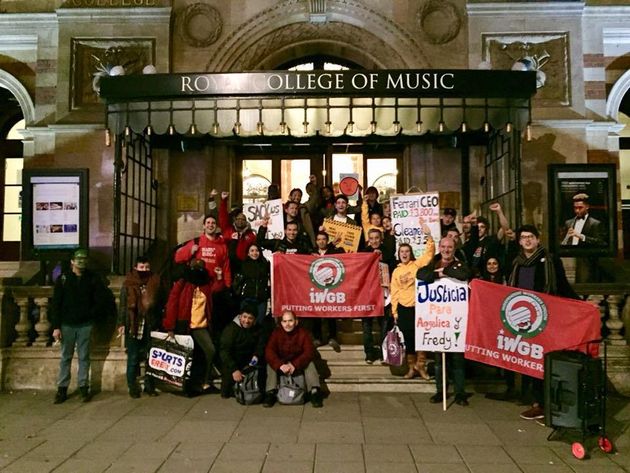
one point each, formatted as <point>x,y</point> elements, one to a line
<point>291,389</point>
<point>248,391</point>
<point>170,359</point>
<point>394,347</point>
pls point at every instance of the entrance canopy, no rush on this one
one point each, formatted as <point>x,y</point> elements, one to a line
<point>324,103</point>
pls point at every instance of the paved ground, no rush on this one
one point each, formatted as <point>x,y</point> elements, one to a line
<point>354,432</point>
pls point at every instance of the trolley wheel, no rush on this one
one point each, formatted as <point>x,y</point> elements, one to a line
<point>578,450</point>
<point>605,445</point>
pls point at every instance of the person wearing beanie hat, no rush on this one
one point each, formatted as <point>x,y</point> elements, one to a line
<point>76,304</point>
<point>447,220</point>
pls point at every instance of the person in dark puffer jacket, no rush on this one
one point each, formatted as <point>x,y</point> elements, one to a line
<point>242,345</point>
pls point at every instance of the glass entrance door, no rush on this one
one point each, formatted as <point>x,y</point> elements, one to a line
<point>259,171</point>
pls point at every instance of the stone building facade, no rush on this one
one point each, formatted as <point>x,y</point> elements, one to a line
<point>52,52</point>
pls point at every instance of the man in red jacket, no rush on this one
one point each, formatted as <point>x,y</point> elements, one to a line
<point>238,235</point>
<point>209,247</point>
<point>290,350</point>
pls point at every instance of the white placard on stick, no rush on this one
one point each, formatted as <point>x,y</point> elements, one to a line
<point>441,315</point>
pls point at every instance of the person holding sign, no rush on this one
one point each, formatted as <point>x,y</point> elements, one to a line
<point>535,269</point>
<point>444,264</point>
<point>403,293</point>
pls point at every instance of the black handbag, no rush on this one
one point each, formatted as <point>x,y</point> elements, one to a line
<point>248,391</point>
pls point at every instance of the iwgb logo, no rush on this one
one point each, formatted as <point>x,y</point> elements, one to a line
<point>327,273</point>
<point>524,314</point>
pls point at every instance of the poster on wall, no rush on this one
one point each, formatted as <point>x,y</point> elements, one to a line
<point>406,213</point>
<point>55,210</point>
<point>582,209</point>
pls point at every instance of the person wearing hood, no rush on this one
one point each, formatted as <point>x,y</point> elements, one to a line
<point>139,314</point>
<point>189,311</point>
<point>238,234</point>
<point>242,345</point>
<point>251,283</point>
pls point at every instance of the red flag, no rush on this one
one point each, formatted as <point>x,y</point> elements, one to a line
<point>343,285</point>
<point>513,328</point>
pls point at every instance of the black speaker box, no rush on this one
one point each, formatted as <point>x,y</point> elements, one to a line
<point>574,388</point>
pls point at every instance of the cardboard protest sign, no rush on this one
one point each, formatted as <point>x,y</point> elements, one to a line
<point>406,213</point>
<point>348,235</point>
<point>441,315</point>
<point>255,212</point>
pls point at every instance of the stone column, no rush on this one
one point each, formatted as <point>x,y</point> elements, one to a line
<point>24,325</point>
<point>614,322</point>
<point>43,326</point>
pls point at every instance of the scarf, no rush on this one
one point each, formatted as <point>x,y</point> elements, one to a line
<point>539,256</point>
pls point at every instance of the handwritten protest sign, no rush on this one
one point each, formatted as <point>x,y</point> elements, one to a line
<point>441,315</point>
<point>256,211</point>
<point>406,212</point>
<point>347,234</point>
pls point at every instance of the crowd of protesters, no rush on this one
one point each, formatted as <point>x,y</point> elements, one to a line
<point>221,296</point>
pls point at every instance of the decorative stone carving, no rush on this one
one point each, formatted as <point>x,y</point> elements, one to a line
<point>550,50</point>
<point>439,21</point>
<point>92,58</point>
<point>397,47</point>
<point>302,33</point>
<point>199,25</point>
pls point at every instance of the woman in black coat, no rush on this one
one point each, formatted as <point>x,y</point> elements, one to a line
<point>251,284</point>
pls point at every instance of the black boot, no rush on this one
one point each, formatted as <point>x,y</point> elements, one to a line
<point>317,399</point>
<point>269,399</point>
<point>61,396</point>
<point>85,393</point>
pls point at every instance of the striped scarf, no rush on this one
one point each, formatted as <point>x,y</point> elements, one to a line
<point>539,256</point>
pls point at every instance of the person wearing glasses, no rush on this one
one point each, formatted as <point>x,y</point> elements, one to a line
<point>536,269</point>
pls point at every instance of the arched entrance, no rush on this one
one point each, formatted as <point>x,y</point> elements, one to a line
<point>16,111</point>
<point>618,108</point>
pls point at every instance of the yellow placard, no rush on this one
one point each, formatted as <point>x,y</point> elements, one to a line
<point>345,235</point>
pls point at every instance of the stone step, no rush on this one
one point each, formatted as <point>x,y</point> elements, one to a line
<point>350,373</point>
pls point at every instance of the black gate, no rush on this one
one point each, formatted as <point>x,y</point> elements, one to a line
<point>135,201</point>
<point>502,178</point>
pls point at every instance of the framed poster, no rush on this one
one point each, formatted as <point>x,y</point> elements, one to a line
<point>55,206</point>
<point>582,209</point>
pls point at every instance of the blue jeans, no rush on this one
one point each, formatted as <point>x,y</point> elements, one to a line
<point>71,336</point>
<point>137,349</point>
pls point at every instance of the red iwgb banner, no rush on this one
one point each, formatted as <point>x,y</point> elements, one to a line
<point>513,328</point>
<point>344,285</point>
